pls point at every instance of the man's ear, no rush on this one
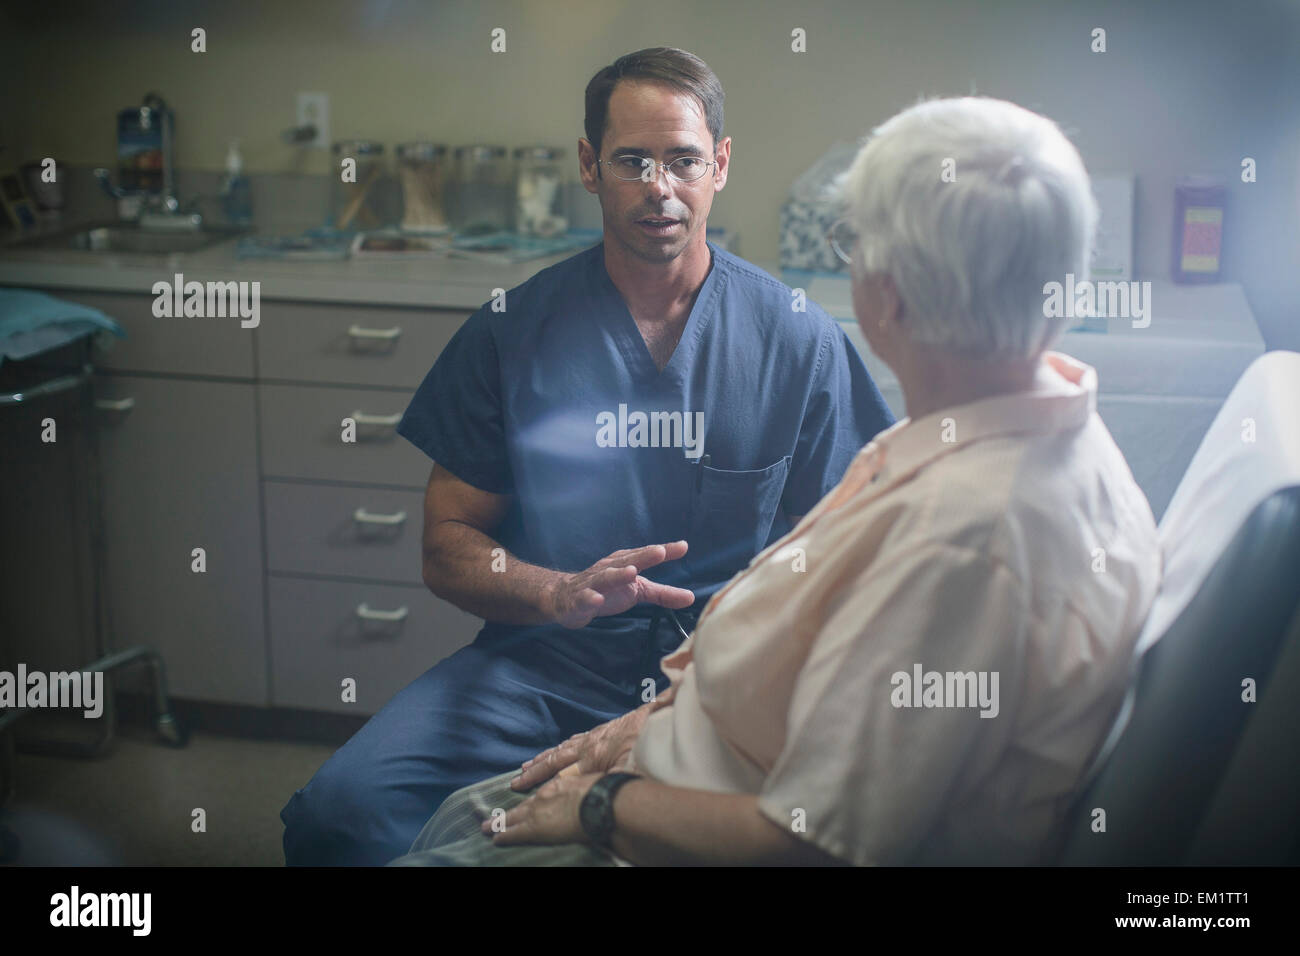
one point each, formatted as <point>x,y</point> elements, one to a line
<point>723,157</point>
<point>588,169</point>
<point>891,304</point>
<point>884,295</point>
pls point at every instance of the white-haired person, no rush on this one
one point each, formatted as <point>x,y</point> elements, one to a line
<point>922,669</point>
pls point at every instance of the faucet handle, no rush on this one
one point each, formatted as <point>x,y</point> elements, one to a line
<point>115,192</point>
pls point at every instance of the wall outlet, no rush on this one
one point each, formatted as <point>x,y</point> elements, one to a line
<point>314,110</point>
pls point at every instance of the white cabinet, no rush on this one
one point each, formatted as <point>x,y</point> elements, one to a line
<point>180,474</point>
<point>228,440</point>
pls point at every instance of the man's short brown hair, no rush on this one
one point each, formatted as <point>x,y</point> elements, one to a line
<point>683,71</point>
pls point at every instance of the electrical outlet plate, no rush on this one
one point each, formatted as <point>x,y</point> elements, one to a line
<point>314,110</point>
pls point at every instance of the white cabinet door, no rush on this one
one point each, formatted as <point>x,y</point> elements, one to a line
<point>180,473</point>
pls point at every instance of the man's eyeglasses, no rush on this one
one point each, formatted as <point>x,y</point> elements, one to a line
<point>843,239</point>
<point>684,169</point>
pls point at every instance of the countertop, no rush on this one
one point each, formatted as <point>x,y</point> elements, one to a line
<point>1199,338</point>
<point>432,283</point>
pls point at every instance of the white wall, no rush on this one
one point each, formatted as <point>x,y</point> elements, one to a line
<point>1187,86</point>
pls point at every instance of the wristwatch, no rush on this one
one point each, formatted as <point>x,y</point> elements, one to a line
<point>596,812</point>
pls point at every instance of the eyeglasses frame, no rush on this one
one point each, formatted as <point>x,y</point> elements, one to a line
<point>845,256</point>
<point>656,167</point>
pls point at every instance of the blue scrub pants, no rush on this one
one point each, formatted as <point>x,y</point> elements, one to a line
<point>484,710</point>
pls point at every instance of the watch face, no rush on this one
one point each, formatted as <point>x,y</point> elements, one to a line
<point>594,813</point>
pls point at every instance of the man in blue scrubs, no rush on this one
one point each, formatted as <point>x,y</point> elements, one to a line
<point>610,447</point>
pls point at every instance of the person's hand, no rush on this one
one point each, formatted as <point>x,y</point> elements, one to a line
<point>614,584</point>
<point>548,817</point>
<point>598,751</point>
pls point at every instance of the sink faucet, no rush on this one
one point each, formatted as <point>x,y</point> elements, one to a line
<point>162,210</point>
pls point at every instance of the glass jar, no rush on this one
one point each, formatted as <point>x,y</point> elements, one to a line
<point>354,201</point>
<point>539,191</point>
<point>484,190</point>
<point>422,170</point>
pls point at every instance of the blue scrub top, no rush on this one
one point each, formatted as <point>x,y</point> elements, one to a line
<point>557,402</point>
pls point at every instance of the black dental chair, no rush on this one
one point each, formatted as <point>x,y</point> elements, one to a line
<point>1192,773</point>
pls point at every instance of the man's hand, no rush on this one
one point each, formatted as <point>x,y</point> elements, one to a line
<point>549,817</point>
<point>598,751</point>
<point>614,584</point>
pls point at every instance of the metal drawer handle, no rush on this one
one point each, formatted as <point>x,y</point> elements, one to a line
<point>51,387</point>
<point>363,516</point>
<point>364,612</point>
<point>115,404</point>
<point>359,332</point>
<point>361,418</point>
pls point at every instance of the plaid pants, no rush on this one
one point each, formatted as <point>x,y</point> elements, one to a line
<point>452,836</point>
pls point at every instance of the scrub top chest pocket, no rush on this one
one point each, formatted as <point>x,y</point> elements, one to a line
<point>732,514</point>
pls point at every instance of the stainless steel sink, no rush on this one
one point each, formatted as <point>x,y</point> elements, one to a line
<point>130,238</point>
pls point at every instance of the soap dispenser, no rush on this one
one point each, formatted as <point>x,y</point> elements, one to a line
<point>236,195</point>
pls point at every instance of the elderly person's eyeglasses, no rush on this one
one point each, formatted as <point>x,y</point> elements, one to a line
<point>843,239</point>
<point>629,168</point>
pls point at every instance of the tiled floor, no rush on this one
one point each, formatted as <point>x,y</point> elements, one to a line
<point>135,805</point>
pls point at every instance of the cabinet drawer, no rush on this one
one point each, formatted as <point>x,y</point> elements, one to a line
<point>302,436</point>
<point>344,532</point>
<point>185,346</point>
<point>351,345</point>
<point>318,639</point>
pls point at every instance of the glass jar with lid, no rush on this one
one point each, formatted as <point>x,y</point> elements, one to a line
<point>539,191</point>
<point>421,167</point>
<point>353,195</point>
<point>484,190</point>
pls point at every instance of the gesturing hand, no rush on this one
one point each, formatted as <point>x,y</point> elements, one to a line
<point>614,584</point>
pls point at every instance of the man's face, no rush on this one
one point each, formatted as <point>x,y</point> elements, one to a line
<point>658,122</point>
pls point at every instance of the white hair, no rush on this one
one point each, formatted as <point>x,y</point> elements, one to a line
<point>971,206</point>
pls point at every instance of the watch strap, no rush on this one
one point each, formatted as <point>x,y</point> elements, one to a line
<point>596,812</point>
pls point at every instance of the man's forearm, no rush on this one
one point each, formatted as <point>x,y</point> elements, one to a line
<point>659,825</point>
<point>460,567</point>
